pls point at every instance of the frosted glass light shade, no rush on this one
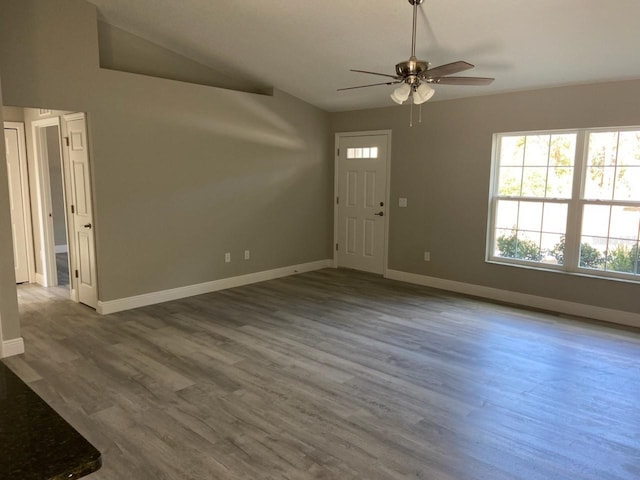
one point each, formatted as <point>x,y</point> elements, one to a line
<point>401,94</point>
<point>423,93</point>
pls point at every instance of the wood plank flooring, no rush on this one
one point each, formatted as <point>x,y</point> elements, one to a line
<point>338,375</point>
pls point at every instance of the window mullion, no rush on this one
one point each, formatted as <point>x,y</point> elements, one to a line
<point>574,213</point>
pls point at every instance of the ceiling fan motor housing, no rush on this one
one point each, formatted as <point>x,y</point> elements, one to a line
<point>411,69</point>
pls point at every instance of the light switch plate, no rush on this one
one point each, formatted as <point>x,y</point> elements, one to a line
<point>402,202</point>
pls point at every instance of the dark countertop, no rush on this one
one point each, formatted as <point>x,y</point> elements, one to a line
<point>35,442</point>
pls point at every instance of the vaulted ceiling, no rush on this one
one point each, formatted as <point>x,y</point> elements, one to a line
<point>306,48</point>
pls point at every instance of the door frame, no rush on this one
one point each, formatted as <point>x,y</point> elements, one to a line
<point>49,276</point>
<point>25,193</point>
<point>339,136</point>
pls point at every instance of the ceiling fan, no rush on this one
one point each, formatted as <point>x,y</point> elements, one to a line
<point>415,76</point>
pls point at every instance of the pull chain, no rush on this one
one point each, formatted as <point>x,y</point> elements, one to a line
<point>420,114</point>
<point>411,115</point>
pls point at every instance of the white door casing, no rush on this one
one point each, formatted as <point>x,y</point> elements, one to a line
<point>47,277</point>
<point>362,200</point>
<point>16,164</point>
<point>84,259</point>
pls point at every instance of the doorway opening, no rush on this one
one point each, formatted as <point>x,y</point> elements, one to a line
<point>57,206</point>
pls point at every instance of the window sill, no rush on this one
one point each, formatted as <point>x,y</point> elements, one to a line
<point>564,272</point>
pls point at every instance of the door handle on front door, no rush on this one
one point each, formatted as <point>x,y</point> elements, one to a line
<point>380,214</point>
<point>87,225</point>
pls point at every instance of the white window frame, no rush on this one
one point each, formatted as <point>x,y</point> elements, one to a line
<point>575,207</point>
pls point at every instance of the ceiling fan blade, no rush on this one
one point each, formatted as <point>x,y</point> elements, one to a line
<point>371,85</point>
<point>376,73</point>
<point>463,80</point>
<point>448,69</point>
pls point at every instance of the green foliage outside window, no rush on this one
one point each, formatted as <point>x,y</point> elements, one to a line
<point>590,257</point>
<point>510,247</point>
<point>621,259</point>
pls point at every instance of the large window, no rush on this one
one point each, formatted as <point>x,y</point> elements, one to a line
<point>568,201</point>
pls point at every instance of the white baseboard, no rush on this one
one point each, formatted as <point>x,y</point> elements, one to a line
<point>40,280</point>
<point>12,347</point>
<point>61,248</point>
<point>112,306</point>
<point>545,303</point>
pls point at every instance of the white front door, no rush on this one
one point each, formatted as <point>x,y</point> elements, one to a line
<point>84,261</point>
<point>362,196</point>
<point>18,212</point>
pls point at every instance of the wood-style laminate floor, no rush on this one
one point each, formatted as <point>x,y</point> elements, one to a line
<point>338,375</point>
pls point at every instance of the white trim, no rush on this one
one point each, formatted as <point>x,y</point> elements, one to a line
<point>336,186</point>
<point>40,279</point>
<point>74,116</point>
<point>545,303</point>
<point>12,347</point>
<point>61,248</point>
<point>43,196</point>
<point>112,306</point>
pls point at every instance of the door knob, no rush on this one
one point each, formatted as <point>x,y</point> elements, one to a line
<point>380,214</point>
<point>87,225</point>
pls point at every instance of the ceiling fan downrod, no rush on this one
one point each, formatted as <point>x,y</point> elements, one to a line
<point>415,4</point>
<point>413,67</point>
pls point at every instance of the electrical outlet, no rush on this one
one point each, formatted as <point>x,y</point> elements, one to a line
<point>247,254</point>
<point>227,257</point>
<point>427,256</point>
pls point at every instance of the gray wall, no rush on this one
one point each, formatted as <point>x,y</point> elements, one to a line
<point>443,166</point>
<point>182,173</point>
<point>13,114</point>
<point>9,323</point>
<point>123,51</point>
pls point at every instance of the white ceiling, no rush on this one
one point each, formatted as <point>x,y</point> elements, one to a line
<point>306,48</point>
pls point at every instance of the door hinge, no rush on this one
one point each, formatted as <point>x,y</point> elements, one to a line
<point>76,273</point>
<point>336,247</point>
<point>337,200</point>
<point>66,139</point>
<point>73,209</point>
<point>338,152</point>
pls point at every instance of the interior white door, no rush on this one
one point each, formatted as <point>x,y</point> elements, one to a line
<point>18,213</point>
<point>84,263</point>
<point>362,209</point>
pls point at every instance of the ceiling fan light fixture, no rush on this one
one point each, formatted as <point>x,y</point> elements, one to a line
<point>423,93</point>
<point>401,94</point>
